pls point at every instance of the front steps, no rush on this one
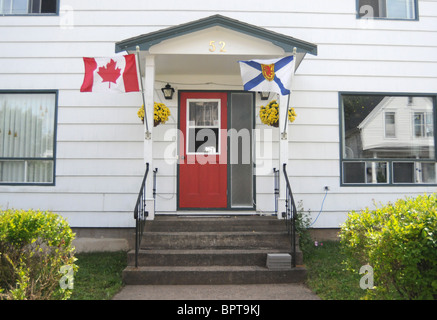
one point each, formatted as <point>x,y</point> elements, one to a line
<point>211,250</point>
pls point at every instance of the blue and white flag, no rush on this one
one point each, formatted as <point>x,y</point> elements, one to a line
<point>268,75</point>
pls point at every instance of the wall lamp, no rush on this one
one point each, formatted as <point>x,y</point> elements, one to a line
<point>168,92</point>
<point>264,95</point>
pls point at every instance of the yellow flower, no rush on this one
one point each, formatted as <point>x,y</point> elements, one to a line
<point>140,112</point>
<point>160,113</point>
<point>292,115</point>
<point>269,113</point>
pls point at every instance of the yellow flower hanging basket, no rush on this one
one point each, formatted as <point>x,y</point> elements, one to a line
<point>291,115</point>
<point>160,115</point>
<point>140,113</point>
<point>269,114</point>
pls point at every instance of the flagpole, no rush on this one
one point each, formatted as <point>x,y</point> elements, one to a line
<point>286,116</point>
<point>142,91</point>
<point>284,133</point>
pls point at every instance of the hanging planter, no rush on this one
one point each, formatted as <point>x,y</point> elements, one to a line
<point>291,115</point>
<point>140,113</point>
<point>160,114</point>
<point>269,114</point>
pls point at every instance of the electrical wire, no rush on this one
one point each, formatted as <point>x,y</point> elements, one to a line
<point>321,209</point>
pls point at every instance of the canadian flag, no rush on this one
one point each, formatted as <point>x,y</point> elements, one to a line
<point>118,73</point>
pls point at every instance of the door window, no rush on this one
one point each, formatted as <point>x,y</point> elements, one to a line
<point>203,124</point>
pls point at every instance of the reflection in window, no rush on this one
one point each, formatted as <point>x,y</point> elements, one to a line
<point>378,131</point>
<point>403,172</point>
<point>28,6</point>
<point>203,113</point>
<point>389,9</point>
<point>423,125</point>
<point>203,126</point>
<point>414,172</point>
<point>390,125</point>
<point>365,172</point>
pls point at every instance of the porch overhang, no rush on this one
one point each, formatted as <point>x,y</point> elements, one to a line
<point>204,55</point>
<point>249,42</point>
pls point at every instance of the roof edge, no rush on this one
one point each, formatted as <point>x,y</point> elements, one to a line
<point>145,41</point>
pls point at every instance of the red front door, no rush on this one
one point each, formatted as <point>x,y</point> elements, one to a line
<point>203,150</point>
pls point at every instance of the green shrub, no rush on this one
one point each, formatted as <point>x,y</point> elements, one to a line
<point>399,241</point>
<point>35,247</point>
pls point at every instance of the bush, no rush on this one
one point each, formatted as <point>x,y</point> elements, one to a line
<point>36,256</point>
<point>399,241</point>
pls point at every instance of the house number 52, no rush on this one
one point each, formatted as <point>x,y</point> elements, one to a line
<point>212,47</point>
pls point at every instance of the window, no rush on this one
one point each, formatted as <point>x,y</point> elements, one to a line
<point>390,125</point>
<point>423,125</point>
<point>203,124</point>
<point>388,9</point>
<point>388,139</point>
<point>27,138</point>
<point>28,6</point>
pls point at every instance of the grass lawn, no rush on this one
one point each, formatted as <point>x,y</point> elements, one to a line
<point>99,275</point>
<point>326,275</point>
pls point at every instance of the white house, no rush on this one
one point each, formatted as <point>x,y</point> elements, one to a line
<point>84,155</point>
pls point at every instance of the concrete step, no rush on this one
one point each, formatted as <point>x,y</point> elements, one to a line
<point>216,240</point>
<point>204,257</point>
<point>214,224</point>
<point>212,250</point>
<point>210,275</point>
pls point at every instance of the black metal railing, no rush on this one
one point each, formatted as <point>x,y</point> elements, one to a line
<point>276,176</point>
<point>290,216</point>
<point>140,215</point>
<point>155,172</point>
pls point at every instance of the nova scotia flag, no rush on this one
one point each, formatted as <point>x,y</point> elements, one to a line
<point>268,75</point>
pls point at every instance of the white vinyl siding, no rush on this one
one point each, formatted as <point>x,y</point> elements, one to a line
<point>100,145</point>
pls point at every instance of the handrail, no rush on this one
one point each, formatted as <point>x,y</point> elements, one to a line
<point>155,172</point>
<point>140,215</point>
<point>276,177</point>
<point>290,216</point>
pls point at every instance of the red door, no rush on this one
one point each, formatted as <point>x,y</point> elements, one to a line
<point>203,150</point>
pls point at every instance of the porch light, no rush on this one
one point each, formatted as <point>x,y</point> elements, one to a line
<point>264,95</point>
<point>168,92</point>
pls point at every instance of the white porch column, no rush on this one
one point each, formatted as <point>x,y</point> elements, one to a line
<point>283,152</point>
<point>149,87</point>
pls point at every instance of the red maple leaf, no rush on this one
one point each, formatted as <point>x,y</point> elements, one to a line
<point>110,73</point>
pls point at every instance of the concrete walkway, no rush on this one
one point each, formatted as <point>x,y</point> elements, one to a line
<point>292,291</point>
